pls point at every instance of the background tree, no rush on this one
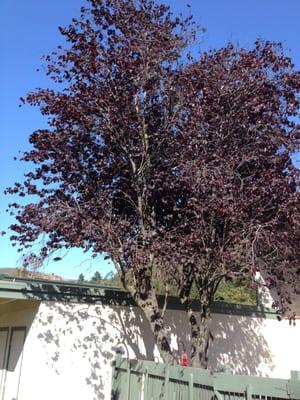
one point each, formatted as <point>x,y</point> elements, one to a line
<point>97,278</point>
<point>81,278</point>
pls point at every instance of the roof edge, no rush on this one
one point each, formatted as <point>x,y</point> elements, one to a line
<point>44,290</point>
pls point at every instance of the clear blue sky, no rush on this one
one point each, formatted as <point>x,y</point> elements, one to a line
<point>28,29</point>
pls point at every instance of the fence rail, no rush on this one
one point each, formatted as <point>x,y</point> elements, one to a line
<point>147,380</point>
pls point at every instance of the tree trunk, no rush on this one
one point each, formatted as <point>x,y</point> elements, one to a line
<point>201,336</point>
<point>153,315</point>
<point>202,341</point>
<point>144,295</point>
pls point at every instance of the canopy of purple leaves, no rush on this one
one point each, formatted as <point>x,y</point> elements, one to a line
<point>174,166</point>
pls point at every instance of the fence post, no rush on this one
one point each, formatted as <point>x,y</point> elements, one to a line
<point>113,378</point>
<point>294,385</point>
<point>249,392</point>
<point>114,372</point>
<point>191,386</point>
<point>118,360</point>
<point>128,381</point>
<point>167,377</point>
<point>146,380</point>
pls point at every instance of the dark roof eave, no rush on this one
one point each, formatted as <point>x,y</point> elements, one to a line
<point>32,289</point>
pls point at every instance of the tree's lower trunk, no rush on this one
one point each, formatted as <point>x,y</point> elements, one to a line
<point>201,336</point>
<point>144,295</point>
<point>150,308</point>
<point>203,339</point>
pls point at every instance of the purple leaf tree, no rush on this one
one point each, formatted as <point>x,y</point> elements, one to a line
<point>177,168</point>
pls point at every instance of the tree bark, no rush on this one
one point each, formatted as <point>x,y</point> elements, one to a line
<point>149,306</point>
<point>201,335</point>
<point>145,298</point>
<point>201,342</point>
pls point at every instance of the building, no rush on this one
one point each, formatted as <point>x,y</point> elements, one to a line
<point>58,339</point>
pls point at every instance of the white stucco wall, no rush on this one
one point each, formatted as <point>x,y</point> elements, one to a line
<point>69,346</point>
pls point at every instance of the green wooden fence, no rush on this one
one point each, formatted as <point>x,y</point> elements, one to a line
<point>147,380</point>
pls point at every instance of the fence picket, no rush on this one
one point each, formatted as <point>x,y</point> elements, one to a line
<point>191,387</point>
<point>248,392</point>
<point>167,377</point>
<point>128,382</point>
<point>146,384</point>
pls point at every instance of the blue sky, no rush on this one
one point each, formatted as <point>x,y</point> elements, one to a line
<point>28,29</point>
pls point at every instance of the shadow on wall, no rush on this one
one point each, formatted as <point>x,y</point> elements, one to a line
<point>239,342</point>
<point>92,335</point>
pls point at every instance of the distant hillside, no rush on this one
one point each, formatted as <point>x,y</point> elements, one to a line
<point>8,271</point>
<point>24,273</point>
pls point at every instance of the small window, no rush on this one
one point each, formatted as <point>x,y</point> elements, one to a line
<point>11,361</point>
<point>3,350</point>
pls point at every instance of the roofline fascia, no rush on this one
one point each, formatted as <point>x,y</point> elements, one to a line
<point>33,289</point>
